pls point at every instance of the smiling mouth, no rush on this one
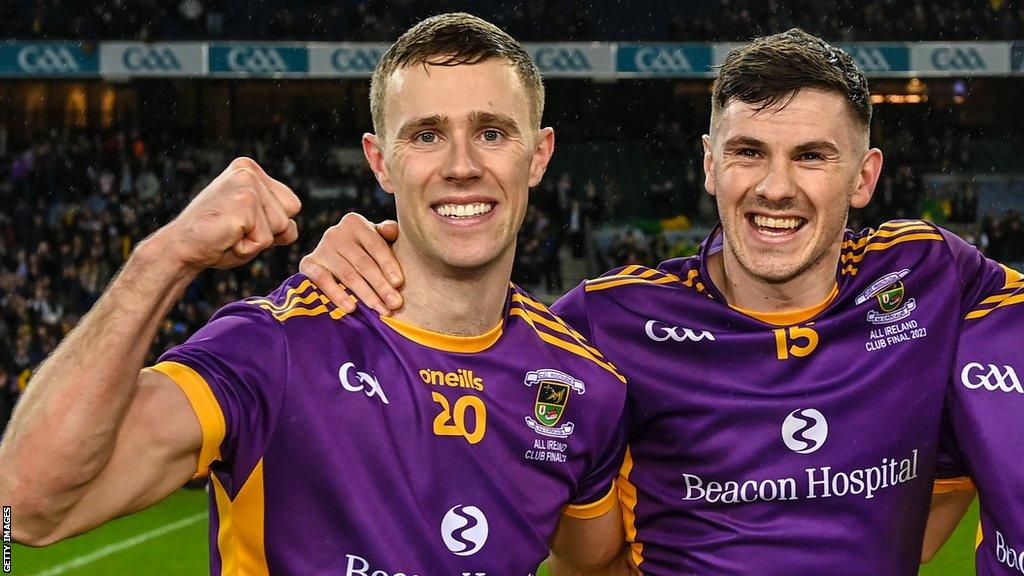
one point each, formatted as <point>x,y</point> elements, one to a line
<point>775,226</point>
<point>463,211</point>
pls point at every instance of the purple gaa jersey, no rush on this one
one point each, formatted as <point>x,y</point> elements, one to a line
<point>787,443</point>
<point>984,437</point>
<point>350,444</point>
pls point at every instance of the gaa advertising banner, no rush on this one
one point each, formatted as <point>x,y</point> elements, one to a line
<point>879,59</point>
<point>345,60</point>
<point>48,59</point>
<point>258,60</point>
<point>155,60</point>
<point>573,59</point>
<point>664,60</point>
<point>1017,58</point>
<point>960,58</point>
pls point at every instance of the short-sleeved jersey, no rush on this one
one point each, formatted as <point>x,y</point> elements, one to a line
<point>350,444</point>
<point>780,444</point>
<point>986,412</point>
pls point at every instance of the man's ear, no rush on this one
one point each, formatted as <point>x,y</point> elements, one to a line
<point>373,149</point>
<point>709,165</point>
<point>542,154</point>
<point>867,178</point>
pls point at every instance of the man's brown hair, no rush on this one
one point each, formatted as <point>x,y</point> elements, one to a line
<point>450,40</point>
<point>772,69</point>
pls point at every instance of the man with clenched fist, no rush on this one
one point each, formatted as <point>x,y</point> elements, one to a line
<point>467,434</point>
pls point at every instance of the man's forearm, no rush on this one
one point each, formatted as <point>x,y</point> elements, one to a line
<point>64,430</point>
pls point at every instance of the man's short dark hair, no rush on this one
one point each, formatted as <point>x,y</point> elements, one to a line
<point>450,40</point>
<point>772,69</point>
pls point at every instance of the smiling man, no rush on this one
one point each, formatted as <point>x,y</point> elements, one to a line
<point>786,382</point>
<point>448,439</point>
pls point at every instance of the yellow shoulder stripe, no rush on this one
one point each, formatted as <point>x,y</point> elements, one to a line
<point>294,301</point>
<point>887,233</point>
<point>873,246</point>
<point>575,348</point>
<point>289,298</point>
<point>555,323</point>
<point>621,281</point>
<point>1003,301</point>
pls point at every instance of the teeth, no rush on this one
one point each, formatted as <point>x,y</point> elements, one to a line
<point>463,210</point>
<point>769,222</point>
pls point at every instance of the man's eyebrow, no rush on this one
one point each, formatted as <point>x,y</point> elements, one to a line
<point>744,141</point>
<point>422,122</point>
<point>496,119</point>
<point>816,146</point>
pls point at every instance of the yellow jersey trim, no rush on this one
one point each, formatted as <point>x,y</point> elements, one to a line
<point>978,536</point>
<point>296,301</point>
<point>240,537</point>
<point>627,495</point>
<point>575,348</point>
<point>790,318</point>
<point>593,509</point>
<point>554,322</point>
<point>947,485</point>
<point>445,342</point>
<point>206,407</point>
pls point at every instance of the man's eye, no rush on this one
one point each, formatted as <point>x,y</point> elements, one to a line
<point>748,152</point>
<point>810,156</point>
<point>426,137</point>
<point>492,135</point>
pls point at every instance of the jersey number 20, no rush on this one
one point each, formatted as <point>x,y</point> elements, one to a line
<point>452,421</point>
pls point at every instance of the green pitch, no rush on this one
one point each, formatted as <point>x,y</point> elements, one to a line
<point>169,539</point>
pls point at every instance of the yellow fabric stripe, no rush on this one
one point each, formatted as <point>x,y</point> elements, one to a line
<point>446,342</point>
<point>793,317</point>
<point>629,270</point>
<point>1013,278</point>
<point>542,308</point>
<point>947,485</point>
<point>563,328</point>
<point>978,536</point>
<point>1015,299</point>
<point>627,495</point>
<point>206,407</point>
<point>570,347</point>
<point>630,280</point>
<point>288,297</point>
<point>888,233</point>
<point>301,312</point>
<point>593,509</point>
<point>886,245</point>
<point>240,539</point>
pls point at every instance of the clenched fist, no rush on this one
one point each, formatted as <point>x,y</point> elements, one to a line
<point>238,215</point>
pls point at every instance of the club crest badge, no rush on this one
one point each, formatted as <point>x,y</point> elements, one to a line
<point>553,391</point>
<point>891,295</point>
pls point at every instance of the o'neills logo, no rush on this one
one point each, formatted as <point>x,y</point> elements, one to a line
<point>461,378</point>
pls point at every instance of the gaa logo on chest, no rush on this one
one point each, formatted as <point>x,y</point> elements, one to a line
<point>554,389</point>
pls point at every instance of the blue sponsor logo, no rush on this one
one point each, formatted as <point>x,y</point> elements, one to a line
<point>257,60</point>
<point>558,59</point>
<point>48,59</point>
<point>958,59</point>
<point>356,60</point>
<point>142,59</point>
<point>664,59</point>
<point>877,58</point>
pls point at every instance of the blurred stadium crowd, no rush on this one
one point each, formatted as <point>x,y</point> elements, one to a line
<point>382,20</point>
<point>75,205</point>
